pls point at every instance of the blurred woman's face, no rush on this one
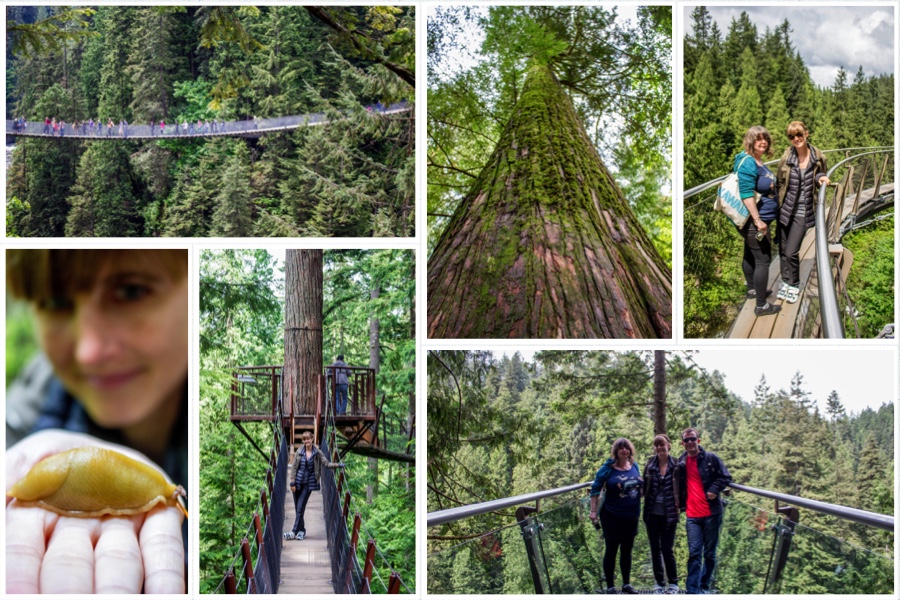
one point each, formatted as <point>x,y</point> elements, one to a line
<point>121,347</point>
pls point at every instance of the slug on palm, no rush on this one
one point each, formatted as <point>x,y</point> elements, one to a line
<point>91,482</point>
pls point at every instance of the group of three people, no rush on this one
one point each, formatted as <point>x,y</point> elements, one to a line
<point>788,195</point>
<point>692,484</point>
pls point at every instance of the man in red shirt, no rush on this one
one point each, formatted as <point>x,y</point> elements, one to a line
<point>703,478</point>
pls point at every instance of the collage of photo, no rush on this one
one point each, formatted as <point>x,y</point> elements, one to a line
<point>626,293</point>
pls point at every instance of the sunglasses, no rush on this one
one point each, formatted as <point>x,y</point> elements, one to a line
<point>795,135</point>
<point>689,439</point>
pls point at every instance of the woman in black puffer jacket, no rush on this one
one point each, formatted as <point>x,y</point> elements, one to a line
<point>661,513</point>
<point>801,171</point>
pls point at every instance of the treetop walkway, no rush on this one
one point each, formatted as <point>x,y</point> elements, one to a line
<point>332,558</point>
<point>862,188</point>
<point>556,550</point>
<point>248,128</point>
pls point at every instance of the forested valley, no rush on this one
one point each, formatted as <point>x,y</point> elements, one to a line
<point>500,427</point>
<point>351,177</point>
<point>748,76</point>
<point>368,302</point>
<point>549,153</point>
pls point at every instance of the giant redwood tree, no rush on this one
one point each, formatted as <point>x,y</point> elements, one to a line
<point>544,244</point>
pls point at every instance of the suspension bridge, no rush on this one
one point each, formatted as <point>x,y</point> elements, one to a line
<point>339,554</point>
<point>556,549</point>
<point>247,128</point>
<point>862,192</point>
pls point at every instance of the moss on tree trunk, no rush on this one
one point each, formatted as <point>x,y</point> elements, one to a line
<point>545,245</point>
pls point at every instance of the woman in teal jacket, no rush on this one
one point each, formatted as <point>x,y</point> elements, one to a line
<point>755,178</point>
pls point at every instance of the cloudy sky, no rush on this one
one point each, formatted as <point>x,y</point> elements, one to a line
<point>827,37</point>
<point>862,377</point>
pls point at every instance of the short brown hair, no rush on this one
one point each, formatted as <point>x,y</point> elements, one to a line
<point>305,435</point>
<point>754,133</point>
<point>690,430</point>
<point>620,443</point>
<point>39,274</point>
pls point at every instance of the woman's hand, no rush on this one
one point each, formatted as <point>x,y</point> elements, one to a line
<point>761,226</point>
<point>47,553</point>
<point>823,180</point>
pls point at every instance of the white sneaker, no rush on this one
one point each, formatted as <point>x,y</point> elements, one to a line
<point>657,589</point>
<point>300,535</point>
<point>792,294</point>
<point>782,292</point>
<point>672,588</point>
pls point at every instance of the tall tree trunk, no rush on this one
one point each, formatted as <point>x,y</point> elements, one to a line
<point>374,363</point>
<point>302,328</point>
<point>545,245</point>
<point>659,392</point>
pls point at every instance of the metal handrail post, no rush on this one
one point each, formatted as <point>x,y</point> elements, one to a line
<point>529,526</point>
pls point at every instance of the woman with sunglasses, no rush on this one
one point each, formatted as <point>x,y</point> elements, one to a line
<point>801,172</point>
<point>661,479</point>
<point>620,512</point>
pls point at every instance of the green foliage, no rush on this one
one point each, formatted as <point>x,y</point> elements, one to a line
<point>354,177</point>
<point>871,280</point>
<point>21,344</point>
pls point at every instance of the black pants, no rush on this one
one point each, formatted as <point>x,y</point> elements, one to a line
<point>301,497</point>
<point>789,246</point>
<point>757,258</point>
<point>662,542</point>
<point>618,534</point>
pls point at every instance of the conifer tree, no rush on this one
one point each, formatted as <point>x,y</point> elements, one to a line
<point>232,217</point>
<point>103,203</point>
<point>153,60</point>
<point>777,120</point>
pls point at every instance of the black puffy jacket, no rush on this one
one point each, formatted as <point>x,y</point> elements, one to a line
<point>655,483</point>
<point>795,185</point>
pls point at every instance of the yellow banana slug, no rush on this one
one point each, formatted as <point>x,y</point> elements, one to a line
<point>91,482</point>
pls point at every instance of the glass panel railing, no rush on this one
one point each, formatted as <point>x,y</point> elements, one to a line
<point>820,563</point>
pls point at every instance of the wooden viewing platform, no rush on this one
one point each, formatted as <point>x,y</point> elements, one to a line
<point>782,325</point>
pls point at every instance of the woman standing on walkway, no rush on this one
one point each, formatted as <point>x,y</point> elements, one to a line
<point>801,172</point>
<point>755,178</point>
<point>304,476</point>
<point>620,512</point>
<point>661,514</point>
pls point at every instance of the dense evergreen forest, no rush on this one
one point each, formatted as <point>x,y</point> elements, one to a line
<point>352,177</point>
<point>750,77</point>
<point>242,324</point>
<point>548,162</point>
<point>503,427</point>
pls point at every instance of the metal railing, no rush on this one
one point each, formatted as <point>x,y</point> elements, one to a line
<point>252,127</point>
<point>711,308</point>
<point>562,549</point>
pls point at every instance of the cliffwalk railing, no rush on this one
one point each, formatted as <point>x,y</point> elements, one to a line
<point>562,551</point>
<point>256,395</point>
<point>710,307</point>
<point>247,127</point>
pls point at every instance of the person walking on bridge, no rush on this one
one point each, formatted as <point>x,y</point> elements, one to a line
<point>702,479</point>
<point>341,384</point>
<point>620,482</point>
<point>47,126</point>
<point>304,477</point>
<point>801,171</point>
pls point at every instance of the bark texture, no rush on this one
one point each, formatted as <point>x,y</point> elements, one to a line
<point>545,244</point>
<point>302,329</point>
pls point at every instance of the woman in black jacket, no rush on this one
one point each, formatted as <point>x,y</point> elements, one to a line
<point>801,171</point>
<point>661,514</point>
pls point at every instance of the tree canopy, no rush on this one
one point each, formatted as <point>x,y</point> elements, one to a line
<point>352,177</point>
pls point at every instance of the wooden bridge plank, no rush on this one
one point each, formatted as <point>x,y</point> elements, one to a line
<point>784,325</point>
<point>306,564</point>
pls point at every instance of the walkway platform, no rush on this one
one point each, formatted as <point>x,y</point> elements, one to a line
<point>305,564</point>
<point>781,326</point>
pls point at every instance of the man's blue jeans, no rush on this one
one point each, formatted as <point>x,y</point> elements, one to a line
<point>703,537</point>
<point>340,397</point>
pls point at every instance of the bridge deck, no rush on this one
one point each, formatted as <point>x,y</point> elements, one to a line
<point>305,564</point>
<point>781,325</point>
